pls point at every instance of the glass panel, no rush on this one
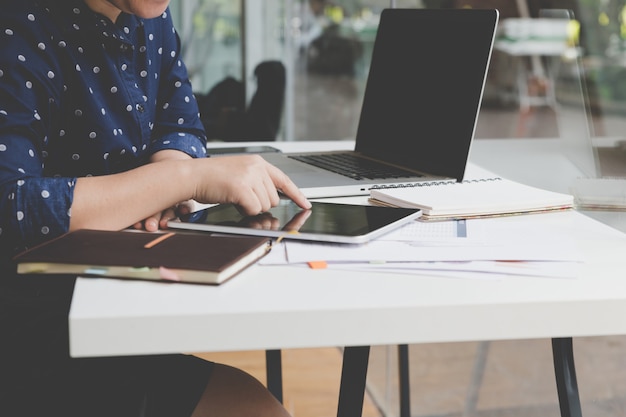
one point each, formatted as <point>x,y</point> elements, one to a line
<point>326,46</point>
<point>210,32</point>
<point>333,43</point>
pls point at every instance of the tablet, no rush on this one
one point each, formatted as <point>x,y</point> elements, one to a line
<point>325,222</point>
<point>238,150</point>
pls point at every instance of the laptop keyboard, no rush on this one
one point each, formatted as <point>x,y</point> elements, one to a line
<point>354,167</point>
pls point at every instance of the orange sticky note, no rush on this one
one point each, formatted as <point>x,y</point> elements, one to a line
<point>317,264</point>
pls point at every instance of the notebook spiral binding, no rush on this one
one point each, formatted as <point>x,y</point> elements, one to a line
<point>432,183</point>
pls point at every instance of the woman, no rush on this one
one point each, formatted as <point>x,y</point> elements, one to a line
<point>99,129</point>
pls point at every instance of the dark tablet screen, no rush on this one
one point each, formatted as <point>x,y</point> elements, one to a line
<point>324,221</point>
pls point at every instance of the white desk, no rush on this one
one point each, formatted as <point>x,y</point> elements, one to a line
<point>538,162</point>
<point>292,307</point>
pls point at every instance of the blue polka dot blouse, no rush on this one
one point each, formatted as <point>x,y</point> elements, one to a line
<point>81,96</point>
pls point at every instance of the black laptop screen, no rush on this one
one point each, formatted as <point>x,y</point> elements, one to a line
<point>425,86</point>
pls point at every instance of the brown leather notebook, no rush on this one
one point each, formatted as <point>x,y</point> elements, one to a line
<point>176,257</point>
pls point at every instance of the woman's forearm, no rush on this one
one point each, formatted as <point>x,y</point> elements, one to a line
<point>120,200</point>
<point>114,202</point>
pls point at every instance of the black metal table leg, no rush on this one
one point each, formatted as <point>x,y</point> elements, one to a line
<point>274,372</point>
<point>353,378</point>
<point>405,386</point>
<point>565,372</point>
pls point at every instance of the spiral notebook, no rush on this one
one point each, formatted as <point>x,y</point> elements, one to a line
<point>473,198</point>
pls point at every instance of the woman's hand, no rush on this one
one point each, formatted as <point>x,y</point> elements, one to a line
<point>156,221</point>
<point>165,187</point>
<point>247,181</point>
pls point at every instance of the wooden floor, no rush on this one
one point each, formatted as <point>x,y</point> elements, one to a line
<point>448,380</point>
<point>311,379</point>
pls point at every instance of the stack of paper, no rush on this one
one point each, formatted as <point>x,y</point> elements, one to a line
<point>489,196</point>
<point>539,246</point>
<point>600,193</point>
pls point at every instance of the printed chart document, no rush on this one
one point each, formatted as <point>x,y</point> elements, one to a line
<point>546,245</point>
<point>483,270</point>
<point>473,198</point>
<point>381,251</point>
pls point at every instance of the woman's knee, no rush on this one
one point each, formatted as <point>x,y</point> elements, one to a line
<point>231,391</point>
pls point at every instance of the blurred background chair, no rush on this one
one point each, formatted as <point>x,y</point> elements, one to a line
<point>227,117</point>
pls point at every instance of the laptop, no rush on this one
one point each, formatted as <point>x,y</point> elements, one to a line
<point>420,107</point>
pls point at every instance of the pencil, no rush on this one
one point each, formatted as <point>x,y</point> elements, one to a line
<point>158,240</point>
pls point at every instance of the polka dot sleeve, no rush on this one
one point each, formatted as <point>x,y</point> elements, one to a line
<point>33,207</point>
<point>185,142</point>
<point>177,108</point>
<point>35,200</point>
